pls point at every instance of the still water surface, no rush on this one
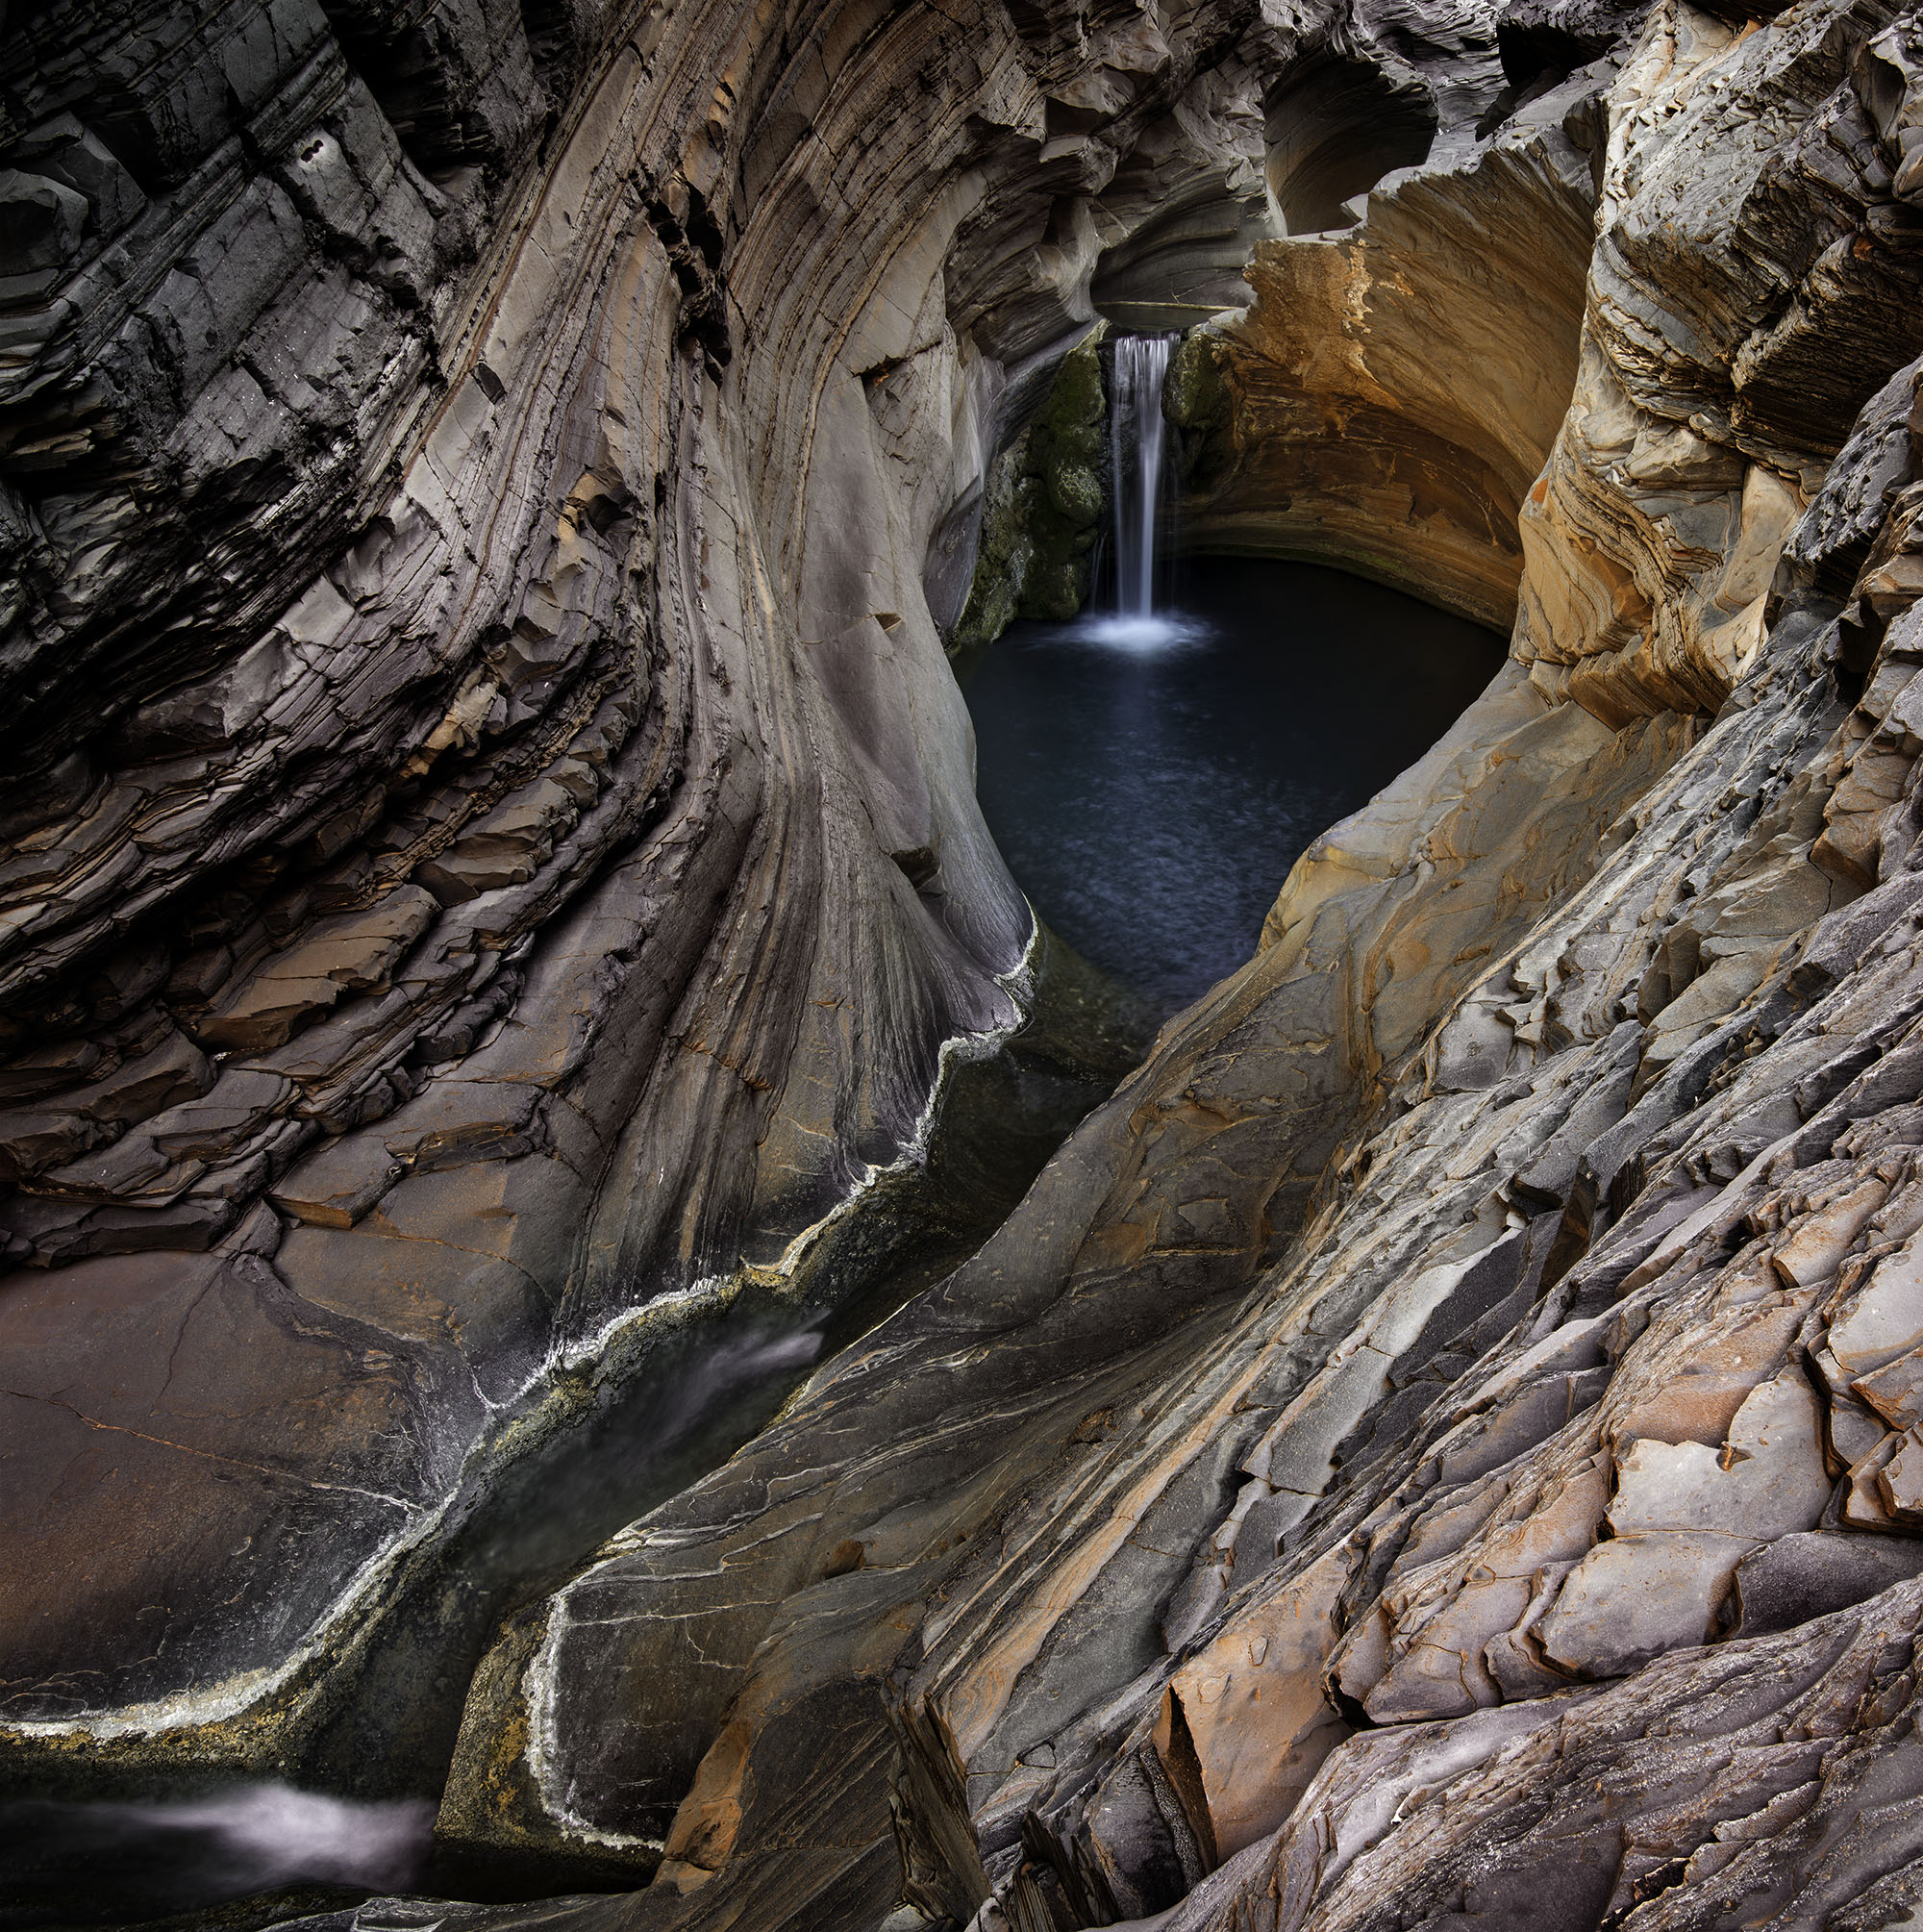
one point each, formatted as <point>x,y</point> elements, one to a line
<point>1150,787</point>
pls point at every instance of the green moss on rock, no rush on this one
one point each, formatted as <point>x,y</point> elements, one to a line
<point>1196,399</point>
<point>1042,504</point>
<point>1004,552</point>
<point>1075,494</point>
<point>1194,394</point>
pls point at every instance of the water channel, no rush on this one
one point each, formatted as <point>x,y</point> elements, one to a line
<point>1150,772</point>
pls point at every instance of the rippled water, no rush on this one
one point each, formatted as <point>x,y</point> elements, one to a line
<point>1151,781</point>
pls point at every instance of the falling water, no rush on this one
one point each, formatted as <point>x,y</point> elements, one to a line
<point>1135,430</point>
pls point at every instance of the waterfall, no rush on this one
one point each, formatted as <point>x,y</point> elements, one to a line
<point>1135,441</point>
<point>1138,445</point>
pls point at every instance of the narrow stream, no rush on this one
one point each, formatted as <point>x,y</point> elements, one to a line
<point>359,1815</point>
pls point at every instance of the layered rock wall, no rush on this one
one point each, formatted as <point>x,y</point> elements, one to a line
<point>1440,1444</point>
<point>1389,400</point>
<point>491,839</point>
<point>1498,1289</point>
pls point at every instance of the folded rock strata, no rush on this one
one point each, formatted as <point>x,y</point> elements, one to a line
<point>1443,1442</point>
<point>1390,398</point>
<point>1441,1319</point>
<point>493,861</point>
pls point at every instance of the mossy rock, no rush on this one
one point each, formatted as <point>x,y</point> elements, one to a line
<point>1199,404</point>
<point>1194,394</point>
<point>1044,498</point>
<point>1056,587</point>
<point>1075,493</point>
<point>1067,450</point>
<point>1070,422</point>
<point>1005,550</point>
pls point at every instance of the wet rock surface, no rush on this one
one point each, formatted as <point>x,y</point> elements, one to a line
<point>1442,1444</point>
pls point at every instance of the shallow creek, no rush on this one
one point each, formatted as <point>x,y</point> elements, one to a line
<point>353,1811</point>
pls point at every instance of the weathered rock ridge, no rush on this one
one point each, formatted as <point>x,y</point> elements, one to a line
<point>1442,1444</point>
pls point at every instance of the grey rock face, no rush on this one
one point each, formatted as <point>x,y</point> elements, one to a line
<point>494,866</point>
<point>492,861</point>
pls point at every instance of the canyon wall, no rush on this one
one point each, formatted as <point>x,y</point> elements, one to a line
<point>1390,398</point>
<point>1431,1448</point>
<point>1439,1445</point>
<point>493,858</point>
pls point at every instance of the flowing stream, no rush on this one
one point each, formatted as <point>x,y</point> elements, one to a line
<point>372,1768</point>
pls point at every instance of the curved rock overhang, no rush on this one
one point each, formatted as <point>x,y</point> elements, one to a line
<point>1390,398</point>
<point>494,860</point>
<point>1338,122</point>
<point>1184,265</point>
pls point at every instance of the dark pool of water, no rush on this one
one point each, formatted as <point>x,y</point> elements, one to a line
<point>1150,798</point>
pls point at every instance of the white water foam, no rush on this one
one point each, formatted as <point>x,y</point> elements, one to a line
<point>1145,635</point>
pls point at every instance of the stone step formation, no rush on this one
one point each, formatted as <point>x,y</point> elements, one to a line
<point>493,918</point>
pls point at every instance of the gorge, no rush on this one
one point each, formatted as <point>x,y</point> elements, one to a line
<point>577,1256</point>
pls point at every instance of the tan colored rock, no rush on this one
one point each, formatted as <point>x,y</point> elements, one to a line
<point>1895,1392</point>
<point>1864,1504</point>
<point>1901,1481</point>
<point>1639,1595</point>
<point>1348,389</point>
<point>1811,1255</point>
<point>1446,1617</point>
<point>1255,1709</point>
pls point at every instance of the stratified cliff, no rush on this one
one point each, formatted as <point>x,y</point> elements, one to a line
<point>1480,1299</point>
<point>491,843</point>
<point>496,865</point>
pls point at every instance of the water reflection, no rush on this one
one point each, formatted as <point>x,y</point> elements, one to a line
<point>1150,778</point>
